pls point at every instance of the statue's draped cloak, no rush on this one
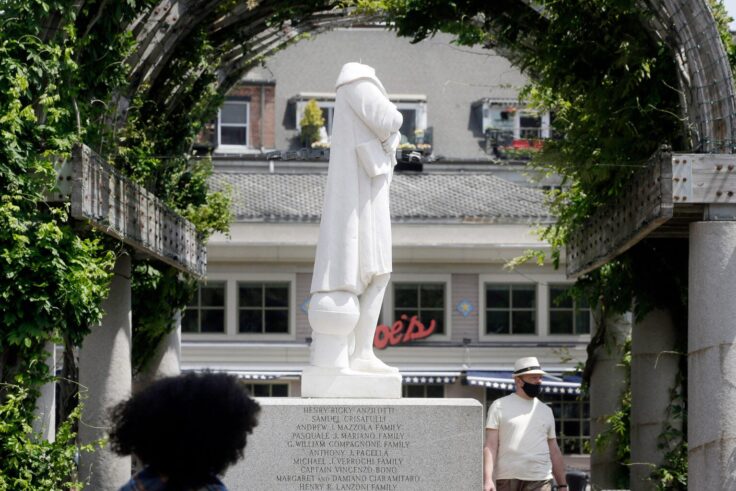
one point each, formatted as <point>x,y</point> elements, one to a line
<point>355,232</point>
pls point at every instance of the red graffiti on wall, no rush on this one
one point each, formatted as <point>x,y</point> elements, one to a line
<point>399,333</point>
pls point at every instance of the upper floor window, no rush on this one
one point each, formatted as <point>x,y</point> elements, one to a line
<point>567,315</point>
<point>206,311</point>
<point>263,307</point>
<point>510,308</point>
<point>232,127</point>
<point>425,300</point>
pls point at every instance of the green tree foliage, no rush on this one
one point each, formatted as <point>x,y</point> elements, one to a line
<point>61,70</point>
<point>311,123</point>
<point>29,462</point>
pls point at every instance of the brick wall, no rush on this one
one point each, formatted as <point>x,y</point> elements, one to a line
<point>261,132</point>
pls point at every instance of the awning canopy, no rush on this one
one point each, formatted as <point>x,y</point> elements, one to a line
<point>504,381</point>
<point>428,377</point>
<point>501,380</point>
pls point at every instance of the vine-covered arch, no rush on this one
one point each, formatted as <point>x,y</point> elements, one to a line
<point>135,80</point>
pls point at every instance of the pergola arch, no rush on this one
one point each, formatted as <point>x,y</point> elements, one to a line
<point>245,33</point>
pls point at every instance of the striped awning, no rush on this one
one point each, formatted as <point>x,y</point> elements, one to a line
<point>429,377</point>
<point>504,381</point>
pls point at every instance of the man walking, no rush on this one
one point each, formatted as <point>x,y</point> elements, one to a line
<point>521,446</point>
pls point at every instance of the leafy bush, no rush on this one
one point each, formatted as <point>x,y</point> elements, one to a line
<point>27,461</point>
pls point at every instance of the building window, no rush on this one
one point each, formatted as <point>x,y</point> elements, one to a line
<point>572,421</point>
<point>429,390</point>
<point>567,315</point>
<point>409,125</point>
<point>425,300</point>
<point>530,125</point>
<point>263,308</point>
<point>206,311</point>
<point>232,127</point>
<point>511,308</point>
<point>268,390</point>
<point>572,418</point>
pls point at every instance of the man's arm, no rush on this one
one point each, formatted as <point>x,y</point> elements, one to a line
<point>490,451</point>
<point>558,464</point>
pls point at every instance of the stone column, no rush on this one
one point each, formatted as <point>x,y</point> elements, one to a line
<point>712,355</point>
<point>105,376</point>
<point>607,384</point>
<point>654,366</point>
<point>167,360</point>
<point>45,422</point>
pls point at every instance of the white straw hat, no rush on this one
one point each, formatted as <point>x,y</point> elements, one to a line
<point>528,366</point>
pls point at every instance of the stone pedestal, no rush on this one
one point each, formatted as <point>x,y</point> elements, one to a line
<point>105,378</point>
<point>712,356</point>
<point>654,365</point>
<point>330,382</point>
<point>367,444</point>
<point>607,384</point>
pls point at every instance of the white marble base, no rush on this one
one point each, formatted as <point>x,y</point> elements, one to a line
<point>331,382</point>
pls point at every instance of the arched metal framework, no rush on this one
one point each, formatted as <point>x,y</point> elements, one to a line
<point>242,33</point>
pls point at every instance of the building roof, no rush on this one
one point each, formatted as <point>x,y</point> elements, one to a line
<point>451,197</point>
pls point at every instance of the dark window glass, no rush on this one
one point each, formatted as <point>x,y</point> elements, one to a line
<point>250,321</point>
<point>249,296</point>
<point>524,297</point>
<point>263,307</point>
<point>268,390</point>
<point>567,315</point>
<point>498,297</point>
<point>523,322</point>
<point>277,296</point>
<point>206,311</point>
<point>189,321</point>
<point>409,124</point>
<point>429,390</point>
<point>233,135</point>
<point>277,320</point>
<point>212,320</point>
<point>498,322</point>
<point>425,300</point>
<point>212,296</point>
<point>511,309</point>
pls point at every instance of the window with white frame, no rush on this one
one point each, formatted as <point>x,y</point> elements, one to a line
<point>423,391</point>
<point>567,315</point>
<point>426,300</point>
<point>232,123</point>
<point>206,311</point>
<point>510,308</point>
<point>263,307</point>
<point>268,390</point>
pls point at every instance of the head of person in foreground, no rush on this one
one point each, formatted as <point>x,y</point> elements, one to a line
<point>187,429</point>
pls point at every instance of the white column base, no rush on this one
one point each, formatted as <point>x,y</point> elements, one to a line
<point>331,382</point>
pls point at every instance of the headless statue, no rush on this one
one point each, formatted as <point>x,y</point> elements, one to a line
<point>353,261</point>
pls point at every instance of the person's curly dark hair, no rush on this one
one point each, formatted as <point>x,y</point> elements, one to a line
<point>188,428</point>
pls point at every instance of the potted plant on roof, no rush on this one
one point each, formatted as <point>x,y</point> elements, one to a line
<point>312,124</point>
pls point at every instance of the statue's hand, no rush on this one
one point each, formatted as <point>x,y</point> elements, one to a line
<point>392,142</point>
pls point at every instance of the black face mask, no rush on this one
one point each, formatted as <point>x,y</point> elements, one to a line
<point>532,390</point>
